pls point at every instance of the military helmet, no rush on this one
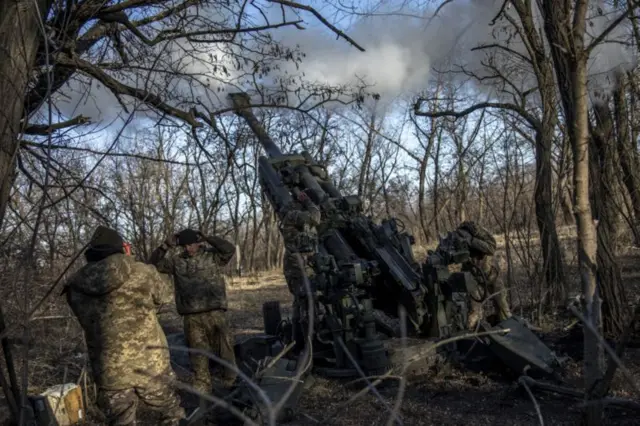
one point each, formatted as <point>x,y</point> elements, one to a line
<point>479,239</point>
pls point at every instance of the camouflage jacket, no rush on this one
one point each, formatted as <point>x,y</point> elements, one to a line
<point>488,266</point>
<point>294,223</point>
<point>198,280</point>
<point>115,301</point>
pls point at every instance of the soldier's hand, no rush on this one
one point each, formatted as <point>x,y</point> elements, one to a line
<point>314,216</point>
<point>170,241</point>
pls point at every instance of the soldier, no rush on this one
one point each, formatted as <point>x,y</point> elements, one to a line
<point>294,224</point>
<point>115,299</point>
<point>486,269</point>
<point>201,298</point>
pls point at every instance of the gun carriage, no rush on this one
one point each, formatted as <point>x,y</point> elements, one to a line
<point>365,281</point>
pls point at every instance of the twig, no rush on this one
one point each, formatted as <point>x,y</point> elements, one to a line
<point>524,384</point>
<point>321,18</point>
<point>571,325</point>
<point>282,353</point>
<point>306,360</point>
<point>402,314</point>
<point>46,129</point>
<point>373,389</point>
<point>110,154</point>
<point>52,317</point>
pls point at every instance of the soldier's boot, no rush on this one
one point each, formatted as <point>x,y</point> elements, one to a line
<point>499,300</point>
<point>203,388</point>
<point>297,333</point>
<point>502,307</point>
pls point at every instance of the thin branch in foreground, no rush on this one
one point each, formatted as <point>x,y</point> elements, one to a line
<point>47,129</point>
<point>370,386</point>
<point>111,154</point>
<point>321,18</point>
<point>524,384</point>
<point>402,314</point>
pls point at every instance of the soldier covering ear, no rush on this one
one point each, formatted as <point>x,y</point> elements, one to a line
<point>201,299</point>
<point>115,299</point>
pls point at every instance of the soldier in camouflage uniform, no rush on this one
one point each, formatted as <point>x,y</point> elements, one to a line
<point>294,222</point>
<point>486,270</point>
<point>201,298</point>
<point>115,299</point>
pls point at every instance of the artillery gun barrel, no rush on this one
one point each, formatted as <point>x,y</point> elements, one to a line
<point>242,105</point>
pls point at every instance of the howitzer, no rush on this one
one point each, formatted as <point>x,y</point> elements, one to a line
<point>363,270</point>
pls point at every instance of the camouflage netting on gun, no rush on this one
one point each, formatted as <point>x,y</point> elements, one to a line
<point>478,238</point>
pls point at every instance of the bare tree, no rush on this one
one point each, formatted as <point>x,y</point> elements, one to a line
<point>565,25</point>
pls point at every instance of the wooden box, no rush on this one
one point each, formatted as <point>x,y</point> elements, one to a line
<point>64,402</point>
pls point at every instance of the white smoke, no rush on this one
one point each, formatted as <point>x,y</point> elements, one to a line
<point>405,50</point>
<point>401,51</point>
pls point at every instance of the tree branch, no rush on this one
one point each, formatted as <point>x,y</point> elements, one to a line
<point>596,41</point>
<point>118,88</point>
<point>109,154</point>
<point>505,48</point>
<point>533,121</point>
<point>173,35</point>
<point>321,18</point>
<point>46,129</point>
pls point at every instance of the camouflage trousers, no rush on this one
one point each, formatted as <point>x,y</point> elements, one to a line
<point>120,406</point>
<point>294,274</point>
<point>494,290</point>
<point>209,331</point>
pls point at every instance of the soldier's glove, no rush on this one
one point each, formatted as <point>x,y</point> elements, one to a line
<point>170,242</point>
<point>478,238</point>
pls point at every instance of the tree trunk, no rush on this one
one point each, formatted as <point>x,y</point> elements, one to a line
<point>363,179</point>
<point>460,195</point>
<point>19,40</point>
<point>565,32</point>
<point>564,186</point>
<point>587,238</point>
<point>436,189</point>
<point>481,193</point>
<point>552,256</point>
<point>628,155</point>
<point>604,190</point>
